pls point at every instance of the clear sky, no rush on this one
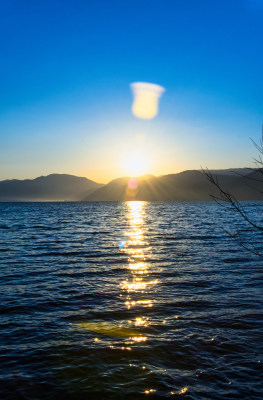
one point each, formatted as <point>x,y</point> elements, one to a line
<point>65,73</point>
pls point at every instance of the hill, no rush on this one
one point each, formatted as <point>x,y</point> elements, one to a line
<point>185,186</point>
<point>54,187</point>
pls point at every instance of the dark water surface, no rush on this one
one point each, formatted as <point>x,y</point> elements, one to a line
<point>128,301</point>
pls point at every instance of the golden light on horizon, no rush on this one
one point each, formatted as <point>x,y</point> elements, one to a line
<point>146,99</point>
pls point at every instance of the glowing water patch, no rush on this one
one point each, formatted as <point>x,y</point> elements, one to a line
<point>136,285</point>
<point>113,330</point>
<point>139,268</point>
<point>149,391</point>
<point>133,303</point>
<point>141,321</point>
<point>183,391</point>
<point>139,338</point>
<point>146,99</point>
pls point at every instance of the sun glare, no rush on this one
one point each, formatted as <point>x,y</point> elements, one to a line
<point>136,164</point>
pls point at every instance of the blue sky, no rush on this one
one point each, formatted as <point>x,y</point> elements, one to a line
<point>66,67</point>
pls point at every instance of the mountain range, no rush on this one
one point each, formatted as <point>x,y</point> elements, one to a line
<point>54,187</point>
<point>193,185</point>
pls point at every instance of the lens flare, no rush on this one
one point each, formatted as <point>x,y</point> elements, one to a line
<point>146,99</point>
<point>131,189</point>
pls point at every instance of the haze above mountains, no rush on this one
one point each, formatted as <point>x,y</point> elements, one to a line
<point>244,183</point>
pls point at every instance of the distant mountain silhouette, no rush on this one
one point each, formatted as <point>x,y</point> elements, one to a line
<point>54,187</point>
<point>231,171</point>
<point>244,183</point>
<point>184,186</point>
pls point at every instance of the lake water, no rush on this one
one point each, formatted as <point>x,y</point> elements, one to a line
<point>129,300</point>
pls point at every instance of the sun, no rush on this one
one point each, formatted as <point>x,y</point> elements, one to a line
<point>136,164</point>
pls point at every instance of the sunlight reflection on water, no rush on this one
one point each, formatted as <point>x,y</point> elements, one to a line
<point>138,266</point>
<point>134,246</point>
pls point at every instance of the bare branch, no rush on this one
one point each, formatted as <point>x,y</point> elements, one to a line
<point>226,196</point>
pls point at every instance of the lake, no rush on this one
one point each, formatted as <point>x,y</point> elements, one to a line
<point>130,300</point>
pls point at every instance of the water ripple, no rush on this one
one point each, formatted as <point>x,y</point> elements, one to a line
<point>128,301</point>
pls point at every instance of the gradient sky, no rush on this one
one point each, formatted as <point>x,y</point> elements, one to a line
<point>65,73</point>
